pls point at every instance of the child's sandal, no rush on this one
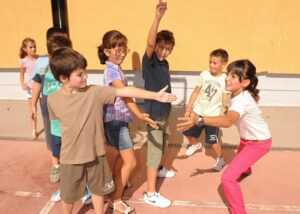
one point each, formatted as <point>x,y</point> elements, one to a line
<point>127,210</point>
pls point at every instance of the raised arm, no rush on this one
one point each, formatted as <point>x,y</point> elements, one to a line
<point>161,8</point>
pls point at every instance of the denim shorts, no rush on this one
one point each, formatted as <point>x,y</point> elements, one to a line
<point>211,133</point>
<point>117,135</point>
<point>56,144</point>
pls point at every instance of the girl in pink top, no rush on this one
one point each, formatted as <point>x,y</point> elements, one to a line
<point>28,57</point>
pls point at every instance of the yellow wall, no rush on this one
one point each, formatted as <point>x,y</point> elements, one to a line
<point>265,31</point>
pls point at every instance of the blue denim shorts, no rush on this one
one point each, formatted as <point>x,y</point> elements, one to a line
<point>56,144</point>
<point>211,133</point>
<point>117,135</point>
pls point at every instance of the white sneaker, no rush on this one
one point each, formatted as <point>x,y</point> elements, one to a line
<point>56,196</point>
<point>157,200</point>
<point>164,173</point>
<point>193,148</point>
<point>219,164</point>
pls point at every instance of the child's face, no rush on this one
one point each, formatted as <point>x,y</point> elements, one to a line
<point>234,85</point>
<point>216,65</point>
<point>163,50</point>
<point>77,79</point>
<point>117,55</point>
<point>30,49</point>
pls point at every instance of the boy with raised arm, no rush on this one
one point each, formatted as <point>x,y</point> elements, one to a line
<point>156,75</point>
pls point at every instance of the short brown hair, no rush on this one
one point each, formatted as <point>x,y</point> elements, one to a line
<point>57,42</point>
<point>166,36</point>
<point>220,53</point>
<point>65,61</point>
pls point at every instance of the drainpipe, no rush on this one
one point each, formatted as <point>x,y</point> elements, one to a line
<point>60,14</point>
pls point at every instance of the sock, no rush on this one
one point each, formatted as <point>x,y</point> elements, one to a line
<point>150,194</point>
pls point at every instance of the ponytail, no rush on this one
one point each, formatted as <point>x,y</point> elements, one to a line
<point>252,88</point>
<point>101,55</point>
<point>22,53</point>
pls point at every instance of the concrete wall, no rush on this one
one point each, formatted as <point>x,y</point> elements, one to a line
<point>276,90</point>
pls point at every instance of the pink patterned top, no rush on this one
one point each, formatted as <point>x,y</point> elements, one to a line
<point>28,64</point>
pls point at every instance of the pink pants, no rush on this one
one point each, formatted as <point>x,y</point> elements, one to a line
<point>248,153</point>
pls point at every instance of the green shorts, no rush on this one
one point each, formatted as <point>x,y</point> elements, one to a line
<point>157,142</point>
<point>75,177</point>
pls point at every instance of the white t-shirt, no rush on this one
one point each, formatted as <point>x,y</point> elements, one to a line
<point>209,100</point>
<point>251,125</point>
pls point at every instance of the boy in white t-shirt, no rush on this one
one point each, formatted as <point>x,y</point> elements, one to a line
<point>206,100</point>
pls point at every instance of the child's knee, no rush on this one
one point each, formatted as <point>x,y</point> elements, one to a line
<point>227,178</point>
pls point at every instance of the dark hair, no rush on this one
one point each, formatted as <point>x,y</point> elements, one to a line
<point>25,42</point>
<point>65,61</point>
<point>166,36</point>
<point>57,42</point>
<point>220,53</point>
<point>54,31</point>
<point>111,39</point>
<point>245,69</point>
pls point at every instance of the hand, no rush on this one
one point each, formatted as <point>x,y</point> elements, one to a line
<point>187,123</point>
<point>187,114</point>
<point>145,117</point>
<point>25,86</point>
<point>161,8</point>
<point>33,112</point>
<point>165,97</point>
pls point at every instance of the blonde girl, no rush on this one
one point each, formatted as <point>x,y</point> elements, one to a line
<point>28,58</point>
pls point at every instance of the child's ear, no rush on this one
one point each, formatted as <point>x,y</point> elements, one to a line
<point>62,79</point>
<point>106,52</point>
<point>245,83</point>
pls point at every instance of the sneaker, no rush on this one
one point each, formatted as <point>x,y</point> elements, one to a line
<point>54,174</point>
<point>164,173</point>
<point>87,199</point>
<point>157,200</point>
<point>193,148</point>
<point>56,196</point>
<point>219,164</point>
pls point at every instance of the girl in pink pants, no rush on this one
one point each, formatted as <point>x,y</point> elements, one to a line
<point>243,111</point>
<point>249,152</point>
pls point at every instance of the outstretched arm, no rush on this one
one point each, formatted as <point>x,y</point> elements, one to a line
<point>133,107</point>
<point>222,121</point>
<point>161,96</point>
<point>161,8</point>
